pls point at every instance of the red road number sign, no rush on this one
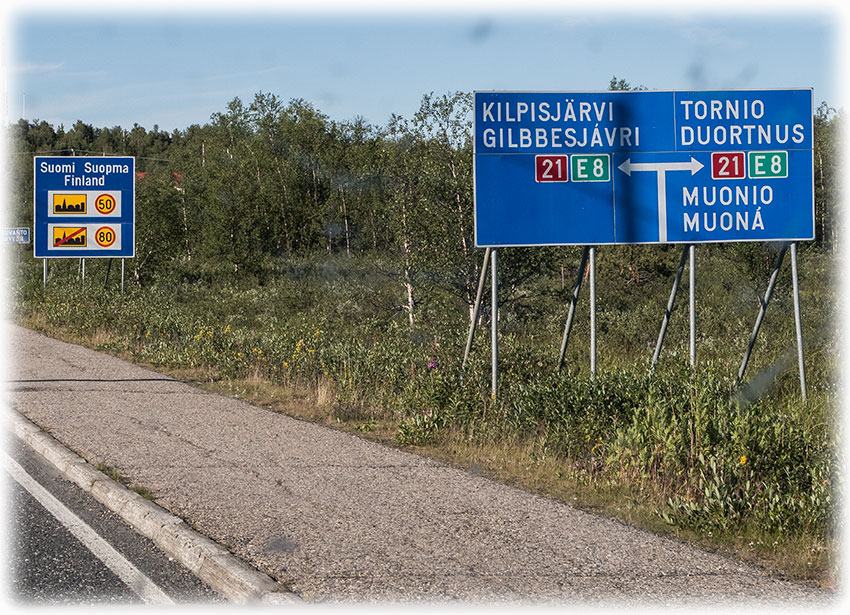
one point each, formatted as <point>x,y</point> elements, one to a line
<point>728,165</point>
<point>550,168</point>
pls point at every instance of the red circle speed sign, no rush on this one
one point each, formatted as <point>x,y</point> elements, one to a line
<point>105,236</point>
<point>105,204</point>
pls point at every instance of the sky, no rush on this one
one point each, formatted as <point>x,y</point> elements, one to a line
<point>174,64</point>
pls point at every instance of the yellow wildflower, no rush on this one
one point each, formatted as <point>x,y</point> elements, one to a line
<point>743,460</point>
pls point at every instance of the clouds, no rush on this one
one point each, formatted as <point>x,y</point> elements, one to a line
<point>109,70</point>
<point>34,68</point>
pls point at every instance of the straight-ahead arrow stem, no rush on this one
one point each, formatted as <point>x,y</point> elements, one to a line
<point>661,169</point>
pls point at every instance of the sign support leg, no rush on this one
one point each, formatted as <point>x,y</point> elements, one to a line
<point>83,271</point>
<point>664,321</point>
<point>692,312</point>
<point>494,324</point>
<point>481,281</point>
<point>592,312</point>
<point>798,322</point>
<point>573,300</point>
<point>767,294</point>
<point>122,276</point>
<point>44,276</point>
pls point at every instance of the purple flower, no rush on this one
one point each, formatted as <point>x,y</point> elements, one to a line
<point>432,363</point>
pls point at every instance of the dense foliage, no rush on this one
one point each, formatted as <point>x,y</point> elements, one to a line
<point>274,243</point>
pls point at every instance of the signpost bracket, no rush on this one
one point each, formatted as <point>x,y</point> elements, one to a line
<point>573,300</point>
<point>474,321</point>
<point>764,303</point>
<point>664,321</point>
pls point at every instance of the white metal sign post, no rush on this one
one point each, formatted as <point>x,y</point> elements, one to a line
<point>692,305</point>
<point>494,325</point>
<point>798,322</point>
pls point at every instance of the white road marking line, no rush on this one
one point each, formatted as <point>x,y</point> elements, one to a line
<point>146,589</point>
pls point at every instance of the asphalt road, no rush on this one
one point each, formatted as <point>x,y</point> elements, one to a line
<point>339,519</point>
<point>50,565</point>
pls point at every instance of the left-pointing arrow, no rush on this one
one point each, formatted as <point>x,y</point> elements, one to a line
<point>693,166</point>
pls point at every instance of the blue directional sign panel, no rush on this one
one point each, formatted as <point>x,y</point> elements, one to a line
<point>574,168</point>
<point>84,207</point>
<point>19,235</point>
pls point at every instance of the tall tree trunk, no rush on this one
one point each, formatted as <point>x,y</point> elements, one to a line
<point>345,221</point>
<point>283,215</point>
<point>408,280</point>
<point>185,223</point>
<point>467,279</point>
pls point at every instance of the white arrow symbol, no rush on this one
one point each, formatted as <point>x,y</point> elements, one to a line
<point>661,169</point>
<point>693,166</point>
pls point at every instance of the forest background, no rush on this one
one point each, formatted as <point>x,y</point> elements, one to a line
<point>328,270</point>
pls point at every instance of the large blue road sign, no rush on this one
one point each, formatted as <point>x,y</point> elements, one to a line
<point>643,167</point>
<point>84,207</point>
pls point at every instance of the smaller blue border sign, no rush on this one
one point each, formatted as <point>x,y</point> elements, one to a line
<point>84,207</point>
